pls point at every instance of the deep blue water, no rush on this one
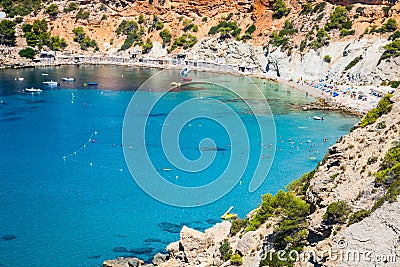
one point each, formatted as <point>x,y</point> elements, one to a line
<point>76,211</point>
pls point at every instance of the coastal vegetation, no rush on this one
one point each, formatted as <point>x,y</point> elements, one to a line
<point>7,32</point>
<point>27,53</point>
<point>226,28</point>
<point>20,7</point>
<point>384,107</point>
<point>353,62</point>
<point>336,212</point>
<point>280,9</point>
<point>186,41</point>
<point>84,40</point>
<point>327,58</point>
<point>38,35</point>
<point>340,20</point>
<point>165,36</point>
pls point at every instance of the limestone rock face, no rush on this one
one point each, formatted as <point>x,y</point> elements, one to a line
<point>249,242</point>
<point>194,245</point>
<point>378,234</point>
<point>218,232</point>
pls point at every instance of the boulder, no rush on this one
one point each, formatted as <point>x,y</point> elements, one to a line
<point>248,243</point>
<point>173,249</point>
<point>159,258</point>
<point>218,232</point>
<point>193,243</point>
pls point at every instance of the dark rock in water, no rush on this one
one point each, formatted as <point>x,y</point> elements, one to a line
<point>212,221</point>
<point>153,240</point>
<point>170,227</point>
<point>140,251</point>
<point>94,256</point>
<point>122,236</point>
<point>9,237</point>
<point>120,249</point>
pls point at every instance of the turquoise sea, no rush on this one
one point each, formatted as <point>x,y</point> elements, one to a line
<point>67,197</point>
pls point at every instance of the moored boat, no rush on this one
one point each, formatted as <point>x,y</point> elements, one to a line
<point>33,90</point>
<point>51,83</point>
<point>69,79</point>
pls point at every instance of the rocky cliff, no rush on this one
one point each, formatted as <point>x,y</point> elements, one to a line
<point>350,203</point>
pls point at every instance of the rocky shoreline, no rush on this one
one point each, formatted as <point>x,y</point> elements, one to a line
<point>347,177</point>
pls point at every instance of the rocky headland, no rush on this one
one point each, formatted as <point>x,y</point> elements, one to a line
<point>348,207</point>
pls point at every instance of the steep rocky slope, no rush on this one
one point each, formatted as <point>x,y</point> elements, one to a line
<point>351,210</point>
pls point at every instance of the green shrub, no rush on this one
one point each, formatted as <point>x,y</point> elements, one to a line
<point>372,160</point>
<point>71,7</point>
<point>7,32</point>
<point>394,84</point>
<point>394,36</point>
<point>225,250</point>
<point>333,176</point>
<point>353,62</point>
<point>84,41</point>
<point>238,225</point>
<point>358,216</point>
<point>391,50</point>
<point>27,53</point>
<point>345,32</point>
<point>52,10</point>
<point>186,41</point>
<point>147,46</point>
<point>281,39</point>
<point>306,8</point>
<point>82,14</point>
<point>319,7</point>
<point>389,26</point>
<point>327,58</point>
<point>389,176</point>
<point>300,186</point>
<point>280,9</point>
<point>141,19</point>
<point>165,36</point>
<point>322,39</point>
<point>226,29</point>
<point>236,259</point>
<point>339,19</point>
<point>384,107</point>
<point>336,212</point>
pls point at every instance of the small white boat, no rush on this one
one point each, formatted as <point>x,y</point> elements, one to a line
<point>317,118</point>
<point>33,90</point>
<point>51,83</point>
<point>69,79</point>
<point>19,79</point>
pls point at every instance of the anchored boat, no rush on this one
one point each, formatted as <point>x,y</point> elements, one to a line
<point>51,83</point>
<point>33,90</point>
<point>69,79</point>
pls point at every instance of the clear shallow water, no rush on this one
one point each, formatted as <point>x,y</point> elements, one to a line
<point>74,212</point>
